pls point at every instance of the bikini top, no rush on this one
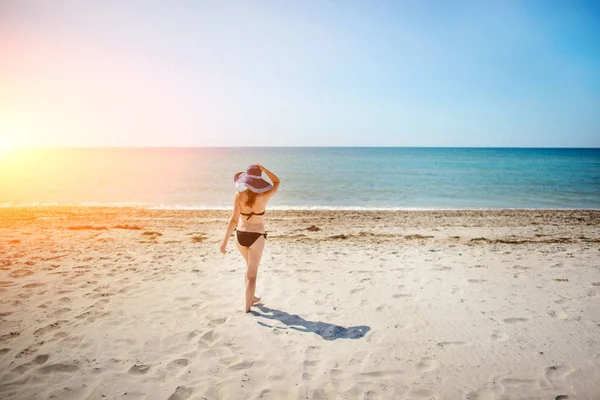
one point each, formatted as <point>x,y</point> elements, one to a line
<point>249,215</point>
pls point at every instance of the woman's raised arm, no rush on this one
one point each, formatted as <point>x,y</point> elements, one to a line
<point>272,177</point>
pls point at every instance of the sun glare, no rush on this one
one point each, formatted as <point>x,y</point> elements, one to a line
<point>6,143</point>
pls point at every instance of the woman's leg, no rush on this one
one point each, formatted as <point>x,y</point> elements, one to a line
<point>244,252</point>
<point>254,254</point>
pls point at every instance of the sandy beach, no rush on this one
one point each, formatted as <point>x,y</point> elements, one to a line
<point>119,303</point>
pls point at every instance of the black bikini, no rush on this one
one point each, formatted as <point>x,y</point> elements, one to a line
<point>251,214</point>
<point>247,239</point>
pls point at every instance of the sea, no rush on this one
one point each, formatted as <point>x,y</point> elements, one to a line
<point>349,178</point>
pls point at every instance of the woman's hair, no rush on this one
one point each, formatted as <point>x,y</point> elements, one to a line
<point>250,198</point>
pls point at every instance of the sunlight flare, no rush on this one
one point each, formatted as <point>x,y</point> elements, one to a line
<point>6,142</point>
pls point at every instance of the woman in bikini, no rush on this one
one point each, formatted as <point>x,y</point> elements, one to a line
<point>248,218</point>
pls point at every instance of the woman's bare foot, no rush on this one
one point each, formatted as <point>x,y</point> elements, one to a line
<point>255,301</point>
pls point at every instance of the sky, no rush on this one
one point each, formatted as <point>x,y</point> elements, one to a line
<point>495,73</point>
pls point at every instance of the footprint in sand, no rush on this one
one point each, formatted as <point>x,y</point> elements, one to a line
<point>498,336</point>
<point>208,339</point>
<point>30,350</point>
<point>336,373</point>
<point>181,393</point>
<point>484,394</point>
<point>100,303</point>
<point>558,372</point>
<point>60,336</point>
<point>217,321</point>
<point>562,300</point>
<point>230,359</point>
<point>427,394</point>
<point>25,295</point>
<point>177,364</point>
<point>400,295</point>
<point>126,289</point>
<point>311,359</point>
<point>450,344</point>
<point>100,288</point>
<point>4,351</point>
<point>9,336</point>
<point>139,369</point>
<point>241,365</point>
<point>101,295</point>
<point>20,273</point>
<point>58,368</point>
<point>558,315</point>
<point>426,364</point>
<point>478,266</point>
<point>477,280</point>
<point>45,305</point>
<point>39,360</point>
<point>60,312</point>
<point>84,315</point>
<point>33,285</point>
<point>193,334</point>
<point>514,320</point>
<point>49,328</point>
<point>520,383</point>
<point>95,316</point>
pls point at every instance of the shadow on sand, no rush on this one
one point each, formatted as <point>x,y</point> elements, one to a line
<point>325,330</point>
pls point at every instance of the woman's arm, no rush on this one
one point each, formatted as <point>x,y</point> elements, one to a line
<point>232,222</point>
<point>272,177</point>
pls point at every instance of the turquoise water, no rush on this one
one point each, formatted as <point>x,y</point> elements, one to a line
<point>346,177</point>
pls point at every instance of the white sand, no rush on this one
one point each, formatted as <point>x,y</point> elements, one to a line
<point>406,305</point>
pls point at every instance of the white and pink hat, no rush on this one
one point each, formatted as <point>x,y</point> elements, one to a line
<point>251,179</point>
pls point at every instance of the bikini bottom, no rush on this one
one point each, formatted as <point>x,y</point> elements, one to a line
<point>247,239</point>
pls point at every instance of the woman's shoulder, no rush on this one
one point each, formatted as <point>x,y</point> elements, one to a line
<point>266,195</point>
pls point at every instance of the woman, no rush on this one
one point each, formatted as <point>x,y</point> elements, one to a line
<point>250,202</point>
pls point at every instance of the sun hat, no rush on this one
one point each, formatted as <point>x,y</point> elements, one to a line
<point>251,179</point>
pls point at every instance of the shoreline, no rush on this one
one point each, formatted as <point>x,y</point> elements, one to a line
<point>291,209</point>
<point>470,227</point>
<point>446,217</point>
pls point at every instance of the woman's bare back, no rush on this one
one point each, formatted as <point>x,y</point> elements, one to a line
<point>252,222</point>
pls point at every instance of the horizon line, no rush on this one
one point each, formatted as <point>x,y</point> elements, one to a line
<point>299,147</point>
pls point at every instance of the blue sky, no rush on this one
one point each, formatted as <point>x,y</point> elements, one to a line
<point>308,73</point>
